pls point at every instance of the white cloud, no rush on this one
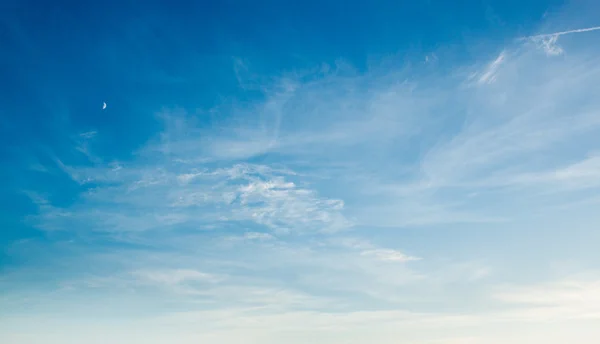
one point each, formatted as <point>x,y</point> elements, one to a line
<point>389,255</point>
<point>556,301</point>
<point>490,73</point>
<point>88,135</point>
<point>252,236</point>
<point>174,276</point>
<point>163,195</point>
<point>583,174</point>
<point>548,42</point>
<point>257,236</point>
<point>594,28</point>
<point>258,325</point>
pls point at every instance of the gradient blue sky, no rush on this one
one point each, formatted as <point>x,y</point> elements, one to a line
<point>300,171</point>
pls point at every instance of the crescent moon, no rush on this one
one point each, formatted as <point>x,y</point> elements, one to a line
<point>103,106</point>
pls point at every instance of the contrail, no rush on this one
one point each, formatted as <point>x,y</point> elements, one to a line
<point>556,34</point>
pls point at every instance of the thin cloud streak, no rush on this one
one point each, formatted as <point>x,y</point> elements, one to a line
<point>555,34</point>
<point>548,42</point>
<point>489,75</point>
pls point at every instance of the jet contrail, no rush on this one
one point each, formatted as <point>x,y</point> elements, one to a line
<point>556,34</point>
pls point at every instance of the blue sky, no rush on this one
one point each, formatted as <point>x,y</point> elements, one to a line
<point>267,172</point>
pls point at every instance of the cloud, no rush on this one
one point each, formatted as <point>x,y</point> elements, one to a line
<point>562,300</point>
<point>88,135</point>
<point>595,28</point>
<point>273,325</point>
<point>257,236</point>
<point>508,128</point>
<point>548,42</point>
<point>389,255</point>
<point>580,175</point>
<point>489,75</point>
<point>169,194</point>
<point>174,276</point>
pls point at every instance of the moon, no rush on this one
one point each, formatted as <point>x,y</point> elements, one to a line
<point>103,106</point>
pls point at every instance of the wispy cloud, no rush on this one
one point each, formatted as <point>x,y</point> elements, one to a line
<point>548,42</point>
<point>174,277</point>
<point>389,255</point>
<point>567,299</point>
<point>253,236</point>
<point>170,193</point>
<point>595,28</point>
<point>89,134</point>
<point>488,76</point>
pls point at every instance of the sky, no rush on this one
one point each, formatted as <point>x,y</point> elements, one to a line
<point>422,172</point>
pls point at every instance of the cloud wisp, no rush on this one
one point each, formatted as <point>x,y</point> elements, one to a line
<point>561,33</point>
<point>548,41</point>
